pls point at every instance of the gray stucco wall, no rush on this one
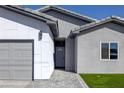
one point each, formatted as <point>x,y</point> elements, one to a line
<point>88,49</point>
<point>70,55</point>
<point>65,23</point>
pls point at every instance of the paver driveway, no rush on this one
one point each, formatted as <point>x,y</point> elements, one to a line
<point>59,79</point>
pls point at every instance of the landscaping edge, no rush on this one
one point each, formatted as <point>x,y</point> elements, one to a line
<point>82,82</point>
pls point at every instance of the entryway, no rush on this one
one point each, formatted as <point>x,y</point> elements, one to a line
<point>60,54</point>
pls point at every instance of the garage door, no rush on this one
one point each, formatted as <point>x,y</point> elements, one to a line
<point>16,60</point>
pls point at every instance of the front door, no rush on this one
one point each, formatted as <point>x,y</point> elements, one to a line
<point>60,54</point>
<point>60,59</point>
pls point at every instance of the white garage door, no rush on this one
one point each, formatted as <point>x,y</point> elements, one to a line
<point>16,60</point>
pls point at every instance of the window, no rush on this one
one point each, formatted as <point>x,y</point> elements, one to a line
<point>105,51</point>
<point>113,51</point>
<point>109,51</point>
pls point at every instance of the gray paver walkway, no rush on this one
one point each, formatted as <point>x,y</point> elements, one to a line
<point>59,79</point>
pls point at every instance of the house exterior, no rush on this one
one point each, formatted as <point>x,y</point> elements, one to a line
<point>35,42</point>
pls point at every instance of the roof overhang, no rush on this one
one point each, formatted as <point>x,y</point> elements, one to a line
<point>37,15</point>
<point>54,27</point>
<point>112,19</point>
<point>67,12</point>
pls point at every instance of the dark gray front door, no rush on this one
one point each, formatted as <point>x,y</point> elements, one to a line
<point>60,57</point>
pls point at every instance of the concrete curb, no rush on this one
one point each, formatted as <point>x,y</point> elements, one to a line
<point>84,85</point>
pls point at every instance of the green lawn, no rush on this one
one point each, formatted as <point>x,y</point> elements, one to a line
<point>104,80</point>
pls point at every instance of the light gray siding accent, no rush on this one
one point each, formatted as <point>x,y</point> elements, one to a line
<point>16,60</point>
<point>88,49</point>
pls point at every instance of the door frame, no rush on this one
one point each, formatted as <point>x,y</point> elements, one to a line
<point>22,41</point>
<point>59,40</point>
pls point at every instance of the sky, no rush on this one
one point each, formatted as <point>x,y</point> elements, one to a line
<point>94,11</point>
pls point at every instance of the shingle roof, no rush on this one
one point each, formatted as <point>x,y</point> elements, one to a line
<point>97,23</point>
<point>80,16</point>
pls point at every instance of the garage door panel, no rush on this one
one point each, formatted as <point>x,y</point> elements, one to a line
<point>4,62</point>
<point>26,46</point>
<point>4,54</point>
<point>22,67</point>
<point>20,62</point>
<point>19,74</point>
<point>5,74</point>
<point>16,60</point>
<point>4,46</point>
<point>4,67</point>
<point>24,54</point>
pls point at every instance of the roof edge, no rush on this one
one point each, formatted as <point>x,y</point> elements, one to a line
<point>97,23</point>
<point>46,8</point>
<point>33,14</point>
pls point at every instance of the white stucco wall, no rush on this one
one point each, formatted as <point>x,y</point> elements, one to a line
<point>47,56</point>
<point>16,26</point>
